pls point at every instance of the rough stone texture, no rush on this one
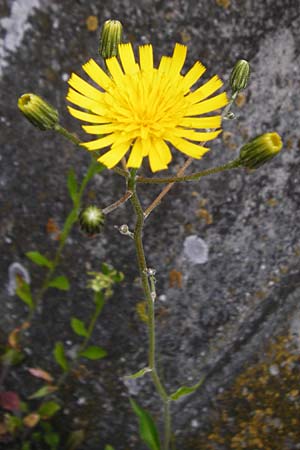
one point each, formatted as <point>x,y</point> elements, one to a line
<point>226,309</point>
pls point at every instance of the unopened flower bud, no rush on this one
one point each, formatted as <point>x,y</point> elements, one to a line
<point>111,36</point>
<point>260,150</point>
<point>240,75</point>
<point>39,112</point>
<point>91,220</point>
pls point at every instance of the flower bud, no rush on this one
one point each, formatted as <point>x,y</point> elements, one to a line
<point>240,75</point>
<point>260,150</point>
<point>91,220</point>
<point>39,112</point>
<point>111,36</point>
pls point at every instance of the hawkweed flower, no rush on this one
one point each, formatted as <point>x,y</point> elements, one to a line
<point>141,109</point>
<point>260,150</point>
<point>91,220</point>
<point>240,75</point>
<point>111,36</point>
<point>39,112</point>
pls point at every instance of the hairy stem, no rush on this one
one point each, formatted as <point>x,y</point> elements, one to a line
<point>193,177</point>
<point>150,310</point>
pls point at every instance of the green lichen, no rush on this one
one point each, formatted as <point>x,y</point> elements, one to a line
<point>262,409</point>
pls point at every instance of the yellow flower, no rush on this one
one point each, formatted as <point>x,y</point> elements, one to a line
<point>143,109</point>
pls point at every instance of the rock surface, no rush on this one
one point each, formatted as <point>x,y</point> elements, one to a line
<point>216,316</point>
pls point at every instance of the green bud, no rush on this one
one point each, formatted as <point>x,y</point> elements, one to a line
<point>91,220</point>
<point>240,75</point>
<point>39,112</point>
<point>260,150</point>
<point>111,37</point>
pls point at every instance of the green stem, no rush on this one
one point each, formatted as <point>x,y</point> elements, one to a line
<point>193,177</point>
<point>63,238</point>
<point>151,313</point>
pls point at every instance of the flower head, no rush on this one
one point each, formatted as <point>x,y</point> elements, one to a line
<point>141,109</point>
<point>260,150</point>
<point>39,112</point>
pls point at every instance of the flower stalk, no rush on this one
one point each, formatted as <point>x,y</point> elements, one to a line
<point>144,274</point>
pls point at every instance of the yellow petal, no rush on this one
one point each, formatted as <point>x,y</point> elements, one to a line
<point>165,64</point>
<point>81,100</point>
<point>163,150</point>
<point>127,58</point>
<point>190,149</point>
<point>155,160</point>
<point>97,74</point>
<point>85,88</point>
<point>100,143</point>
<point>136,155</point>
<point>206,90</point>
<point>146,57</point>
<point>115,69</point>
<point>86,117</point>
<point>113,156</point>
<point>202,122</point>
<point>193,75</point>
<point>99,129</point>
<point>209,105</point>
<point>194,135</point>
<point>178,58</point>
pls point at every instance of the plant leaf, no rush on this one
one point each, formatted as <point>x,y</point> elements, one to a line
<point>79,327</point>
<point>75,439</point>
<point>24,294</point>
<point>10,401</point>
<point>43,391</point>
<point>40,373</point>
<point>39,259</point>
<point>59,355</point>
<point>148,430</point>
<point>48,409</point>
<point>72,185</point>
<point>138,374</point>
<point>108,447</point>
<point>186,390</point>
<point>93,352</point>
<point>60,282</point>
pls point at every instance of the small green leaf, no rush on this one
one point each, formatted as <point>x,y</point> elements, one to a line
<point>52,439</point>
<point>59,355</point>
<point>60,282</point>
<point>78,327</point>
<point>148,430</point>
<point>93,352</point>
<point>75,439</point>
<point>186,390</point>
<point>48,409</point>
<point>26,446</point>
<point>11,357</point>
<point>138,374</point>
<point>72,185</point>
<point>39,259</point>
<point>43,391</point>
<point>24,293</point>
<point>108,447</point>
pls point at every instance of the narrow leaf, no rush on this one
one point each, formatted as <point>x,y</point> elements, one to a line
<point>79,327</point>
<point>39,259</point>
<point>60,282</point>
<point>70,220</point>
<point>40,373</point>
<point>108,447</point>
<point>93,352</point>
<point>72,185</point>
<point>186,390</point>
<point>148,430</point>
<point>138,374</point>
<point>24,294</point>
<point>59,355</point>
<point>48,409</point>
<point>43,391</point>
